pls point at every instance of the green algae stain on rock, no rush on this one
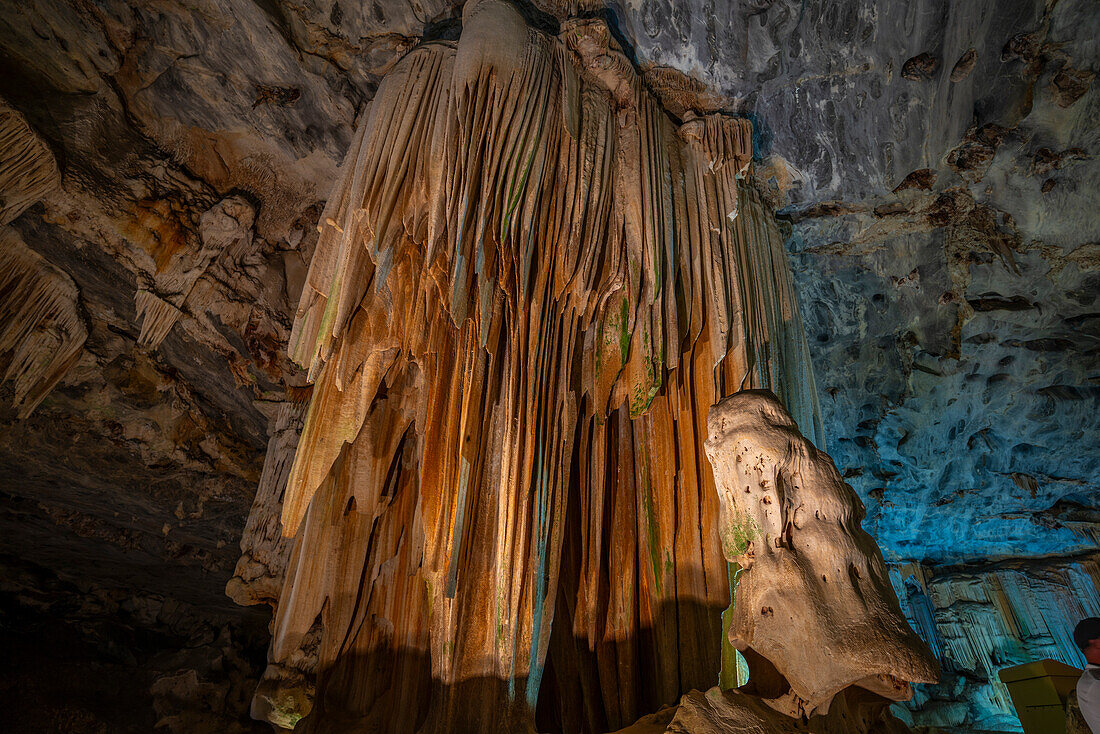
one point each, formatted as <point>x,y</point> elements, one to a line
<point>643,392</point>
<point>652,533</point>
<point>737,534</point>
<point>735,669</point>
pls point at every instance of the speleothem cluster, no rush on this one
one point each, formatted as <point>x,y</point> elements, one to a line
<point>532,283</point>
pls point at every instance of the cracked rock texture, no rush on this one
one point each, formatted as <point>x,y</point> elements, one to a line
<point>935,167</point>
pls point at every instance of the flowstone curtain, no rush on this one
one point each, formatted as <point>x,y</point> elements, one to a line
<point>530,286</point>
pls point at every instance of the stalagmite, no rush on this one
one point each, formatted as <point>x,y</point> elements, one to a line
<point>531,284</point>
<point>42,330</point>
<point>815,586</point>
<point>814,614</point>
<point>28,170</point>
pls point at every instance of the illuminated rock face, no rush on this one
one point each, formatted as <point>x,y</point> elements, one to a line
<point>952,321</point>
<point>815,599</point>
<point>530,286</point>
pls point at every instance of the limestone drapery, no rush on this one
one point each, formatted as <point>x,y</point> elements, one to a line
<point>42,330</point>
<point>530,286</point>
<point>28,170</point>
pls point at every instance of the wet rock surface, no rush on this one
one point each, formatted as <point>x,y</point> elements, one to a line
<point>935,164</point>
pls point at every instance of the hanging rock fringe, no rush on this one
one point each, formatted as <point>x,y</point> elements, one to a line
<point>41,329</point>
<point>28,170</point>
<point>157,317</point>
<point>530,286</point>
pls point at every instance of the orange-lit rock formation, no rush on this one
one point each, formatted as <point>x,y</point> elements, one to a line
<point>531,285</point>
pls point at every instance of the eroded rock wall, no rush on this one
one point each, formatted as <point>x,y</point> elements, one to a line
<point>189,139</point>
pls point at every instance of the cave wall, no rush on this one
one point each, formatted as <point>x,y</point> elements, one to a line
<point>936,166</point>
<point>978,619</point>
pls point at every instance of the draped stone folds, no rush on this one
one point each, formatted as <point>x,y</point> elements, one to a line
<point>28,170</point>
<point>42,331</point>
<point>530,285</point>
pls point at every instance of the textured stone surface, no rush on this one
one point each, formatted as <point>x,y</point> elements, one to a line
<point>943,226</point>
<point>813,585</point>
<point>979,618</point>
<point>951,320</point>
<point>183,174</point>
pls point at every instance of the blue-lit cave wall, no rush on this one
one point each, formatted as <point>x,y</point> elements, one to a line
<point>937,166</point>
<point>964,411</point>
<point>981,618</point>
<point>970,437</point>
<point>960,391</point>
<point>956,359</point>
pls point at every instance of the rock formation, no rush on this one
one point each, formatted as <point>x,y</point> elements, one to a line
<point>28,170</point>
<point>41,328</point>
<point>814,603</point>
<point>978,619</point>
<point>530,286</point>
<point>259,574</point>
<point>724,712</point>
<point>814,612</point>
<point>228,223</point>
<point>942,231</point>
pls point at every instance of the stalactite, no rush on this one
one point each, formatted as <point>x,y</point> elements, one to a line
<point>264,551</point>
<point>156,315</point>
<point>42,331</point>
<point>530,285</point>
<point>979,621</point>
<point>287,691</point>
<point>28,170</point>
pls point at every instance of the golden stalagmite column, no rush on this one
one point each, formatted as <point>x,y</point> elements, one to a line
<point>530,286</point>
